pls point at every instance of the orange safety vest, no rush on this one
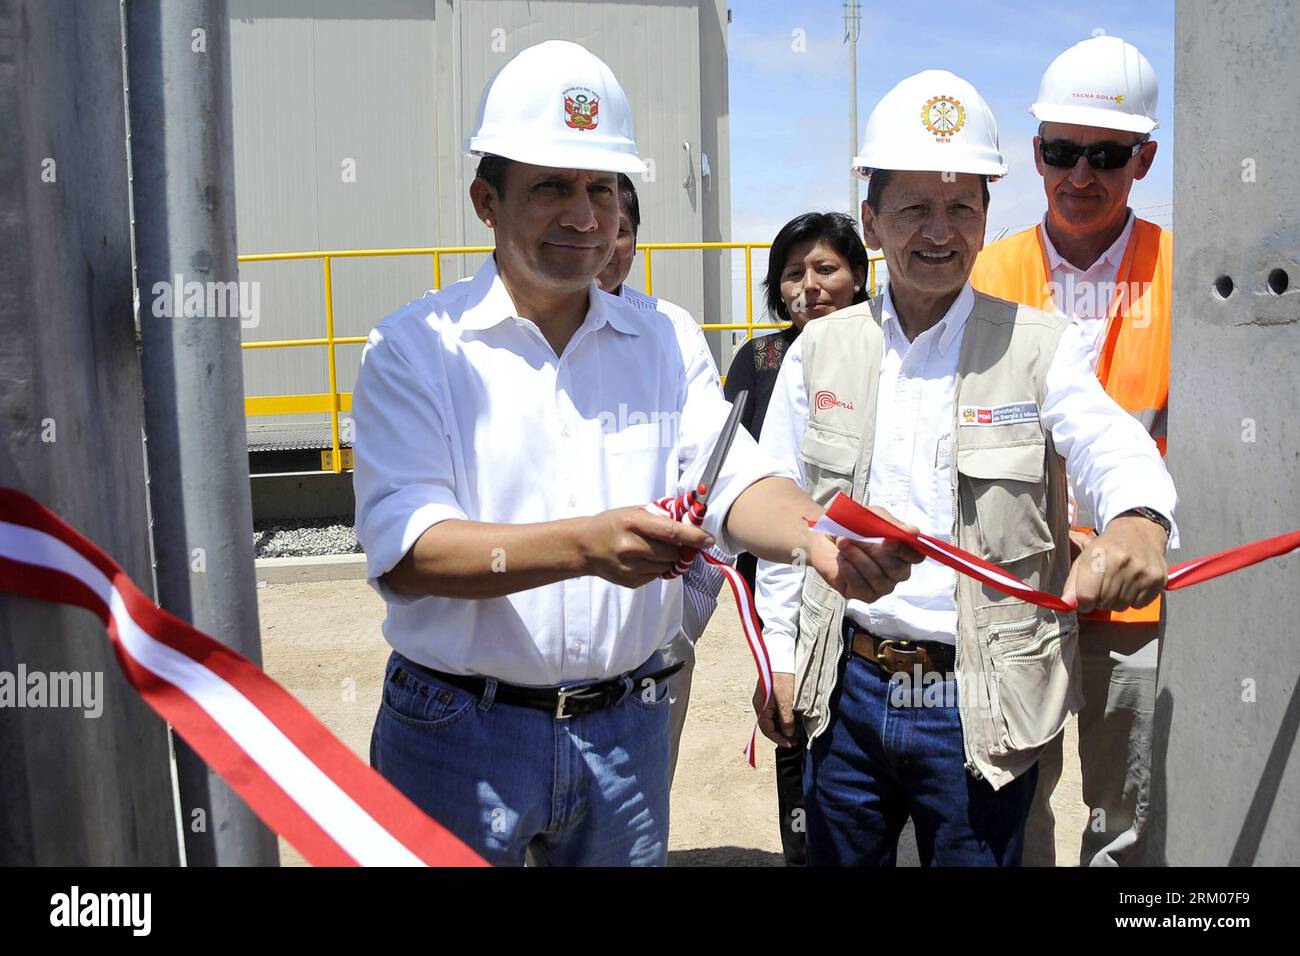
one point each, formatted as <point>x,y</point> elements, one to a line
<point>1134,362</point>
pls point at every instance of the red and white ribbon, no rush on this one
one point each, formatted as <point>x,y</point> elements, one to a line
<point>846,518</point>
<point>301,780</point>
<point>687,509</point>
<point>690,510</point>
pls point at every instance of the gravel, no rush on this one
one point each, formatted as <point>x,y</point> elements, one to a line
<point>303,538</point>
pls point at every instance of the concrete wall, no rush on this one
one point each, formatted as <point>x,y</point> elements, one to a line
<point>317,85</point>
<point>73,790</point>
<point>715,142</point>
<point>1226,784</point>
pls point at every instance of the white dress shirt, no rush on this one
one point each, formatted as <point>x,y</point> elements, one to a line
<point>1107,453</point>
<point>1084,295</point>
<point>702,581</point>
<point>463,410</point>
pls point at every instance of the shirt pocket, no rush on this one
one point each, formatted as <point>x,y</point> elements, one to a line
<point>641,438</point>
<point>635,460</point>
<point>829,456</point>
<point>1005,488</point>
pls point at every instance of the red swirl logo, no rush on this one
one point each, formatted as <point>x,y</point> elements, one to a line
<point>825,399</point>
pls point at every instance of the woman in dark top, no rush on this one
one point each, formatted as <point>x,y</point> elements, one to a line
<point>817,266</point>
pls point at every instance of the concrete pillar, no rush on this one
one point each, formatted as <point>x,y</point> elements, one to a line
<point>74,790</point>
<point>1226,773</point>
<point>183,169</point>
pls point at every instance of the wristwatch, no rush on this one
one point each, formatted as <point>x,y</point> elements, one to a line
<point>1151,515</point>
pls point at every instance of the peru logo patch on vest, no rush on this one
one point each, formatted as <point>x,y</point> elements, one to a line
<point>977,416</point>
<point>825,400</point>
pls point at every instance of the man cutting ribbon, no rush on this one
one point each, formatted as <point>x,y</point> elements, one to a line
<point>962,414</point>
<point>509,432</point>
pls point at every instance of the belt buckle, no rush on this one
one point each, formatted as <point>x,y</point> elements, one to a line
<point>897,644</point>
<point>562,696</point>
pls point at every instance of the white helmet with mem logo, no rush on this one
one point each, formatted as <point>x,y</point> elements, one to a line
<point>931,122</point>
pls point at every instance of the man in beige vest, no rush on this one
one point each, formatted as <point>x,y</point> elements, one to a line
<point>961,414</point>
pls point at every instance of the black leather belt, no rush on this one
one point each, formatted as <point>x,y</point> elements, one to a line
<point>562,702</point>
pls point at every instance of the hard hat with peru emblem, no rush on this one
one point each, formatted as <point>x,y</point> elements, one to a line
<point>931,122</point>
<point>556,104</point>
<point>1101,81</point>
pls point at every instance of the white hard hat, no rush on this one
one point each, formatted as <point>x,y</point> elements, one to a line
<point>933,122</point>
<point>1102,81</point>
<point>556,104</point>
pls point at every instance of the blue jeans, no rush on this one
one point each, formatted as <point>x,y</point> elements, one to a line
<point>512,781</point>
<point>876,764</point>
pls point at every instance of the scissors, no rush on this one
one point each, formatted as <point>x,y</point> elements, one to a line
<point>711,471</point>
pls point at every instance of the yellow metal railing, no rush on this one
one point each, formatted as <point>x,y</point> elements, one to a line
<point>333,402</point>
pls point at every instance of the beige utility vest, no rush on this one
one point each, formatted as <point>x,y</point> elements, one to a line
<point>1017,664</point>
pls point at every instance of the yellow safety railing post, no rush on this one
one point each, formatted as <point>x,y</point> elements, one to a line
<point>437,270</point>
<point>336,462</point>
<point>749,291</point>
<point>649,275</point>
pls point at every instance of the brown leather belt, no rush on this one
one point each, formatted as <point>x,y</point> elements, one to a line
<point>895,656</point>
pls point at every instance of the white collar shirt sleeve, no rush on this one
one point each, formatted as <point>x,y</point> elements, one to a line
<point>406,481</point>
<point>779,586</point>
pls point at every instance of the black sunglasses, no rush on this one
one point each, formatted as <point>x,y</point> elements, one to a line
<point>1100,155</point>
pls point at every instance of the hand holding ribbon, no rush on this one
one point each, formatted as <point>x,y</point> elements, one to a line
<point>845,517</point>
<point>690,510</point>
<point>1120,568</point>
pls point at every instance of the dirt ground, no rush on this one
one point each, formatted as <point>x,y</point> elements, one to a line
<point>322,641</point>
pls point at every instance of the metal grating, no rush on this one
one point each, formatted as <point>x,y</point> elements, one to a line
<point>291,436</point>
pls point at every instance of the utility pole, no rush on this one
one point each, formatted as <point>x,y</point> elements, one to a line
<point>178,64</point>
<point>852,29</point>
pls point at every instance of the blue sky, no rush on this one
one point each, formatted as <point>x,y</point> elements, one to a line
<point>789,109</point>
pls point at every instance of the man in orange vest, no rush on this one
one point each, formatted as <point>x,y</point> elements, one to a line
<point>1094,261</point>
